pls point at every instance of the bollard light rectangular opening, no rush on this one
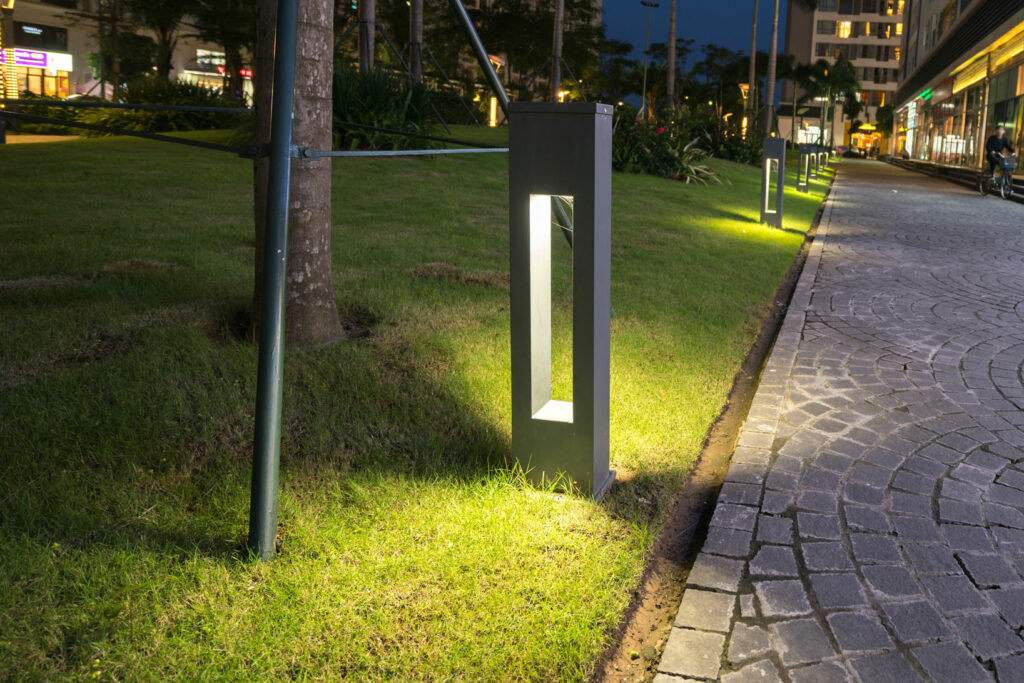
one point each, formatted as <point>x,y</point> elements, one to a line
<point>542,323</point>
<point>773,184</point>
<point>560,169</point>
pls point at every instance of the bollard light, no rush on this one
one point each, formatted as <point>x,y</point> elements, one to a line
<point>561,152</point>
<point>773,181</point>
<point>812,152</point>
<point>803,168</point>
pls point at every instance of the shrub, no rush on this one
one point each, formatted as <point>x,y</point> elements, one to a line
<point>62,113</point>
<point>661,148</point>
<point>156,90</point>
<point>382,99</point>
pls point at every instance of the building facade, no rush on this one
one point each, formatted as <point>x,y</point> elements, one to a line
<point>963,76</point>
<point>47,51</point>
<point>866,32</point>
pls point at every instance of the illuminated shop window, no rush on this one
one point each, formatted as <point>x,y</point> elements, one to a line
<point>843,29</point>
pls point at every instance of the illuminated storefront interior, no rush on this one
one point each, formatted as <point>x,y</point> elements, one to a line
<point>41,73</point>
<point>949,122</point>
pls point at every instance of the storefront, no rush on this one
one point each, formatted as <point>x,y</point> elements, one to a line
<point>47,74</point>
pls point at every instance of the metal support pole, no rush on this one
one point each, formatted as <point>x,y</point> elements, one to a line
<point>481,54</point>
<point>267,448</point>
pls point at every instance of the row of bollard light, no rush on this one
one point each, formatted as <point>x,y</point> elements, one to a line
<point>811,161</point>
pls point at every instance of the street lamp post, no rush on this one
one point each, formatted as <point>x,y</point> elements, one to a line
<point>647,41</point>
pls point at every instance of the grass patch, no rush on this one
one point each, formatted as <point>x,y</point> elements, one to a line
<point>409,551</point>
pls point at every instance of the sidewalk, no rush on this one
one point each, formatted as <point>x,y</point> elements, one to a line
<point>871,527</point>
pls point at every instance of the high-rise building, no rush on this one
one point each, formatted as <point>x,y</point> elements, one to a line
<point>963,75</point>
<point>866,32</point>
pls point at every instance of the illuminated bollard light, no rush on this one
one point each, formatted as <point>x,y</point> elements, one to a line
<point>773,181</point>
<point>823,154</point>
<point>812,152</point>
<point>561,153</point>
<point>803,168</point>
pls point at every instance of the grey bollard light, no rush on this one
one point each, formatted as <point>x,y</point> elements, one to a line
<point>773,181</point>
<point>812,152</point>
<point>823,154</point>
<point>561,150</point>
<point>803,168</point>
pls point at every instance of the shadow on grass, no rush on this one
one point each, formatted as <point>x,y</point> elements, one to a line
<point>150,448</point>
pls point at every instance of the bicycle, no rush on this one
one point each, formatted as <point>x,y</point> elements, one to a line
<point>988,183</point>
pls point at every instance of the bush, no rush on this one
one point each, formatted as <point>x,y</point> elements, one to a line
<point>62,113</point>
<point>156,90</point>
<point>661,148</point>
<point>382,99</point>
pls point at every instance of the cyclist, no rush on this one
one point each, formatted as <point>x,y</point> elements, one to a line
<point>994,147</point>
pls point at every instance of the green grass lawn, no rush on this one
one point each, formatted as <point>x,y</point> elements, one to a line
<point>409,551</point>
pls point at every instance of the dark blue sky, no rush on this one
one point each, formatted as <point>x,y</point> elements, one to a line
<point>724,22</point>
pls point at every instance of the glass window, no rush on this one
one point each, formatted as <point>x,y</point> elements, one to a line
<point>899,28</point>
<point>843,29</point>
<point>827,5</point>
<point>826,28</point>
<point>846,6</point>
<point>822,49</point>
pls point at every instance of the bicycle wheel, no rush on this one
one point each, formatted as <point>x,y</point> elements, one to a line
<point>1006,186</point>
<point>983,186</point>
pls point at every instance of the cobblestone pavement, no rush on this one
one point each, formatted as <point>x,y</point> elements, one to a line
<point>871,527</point>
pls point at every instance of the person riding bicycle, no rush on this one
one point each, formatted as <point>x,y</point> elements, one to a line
<point>994,147</point>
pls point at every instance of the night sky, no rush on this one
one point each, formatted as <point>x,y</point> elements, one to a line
<point>724,22</point>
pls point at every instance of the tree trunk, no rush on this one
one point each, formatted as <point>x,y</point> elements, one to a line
<point>769,91</point>
<point>115,59</point>
<point>752,74</point>
<point>792,117</point>
<point>311,317</point>
<point>166,42</point>
<point>670,85</point>
<point>556,51</point>
<point>416,40</point>
<point>367,33</point>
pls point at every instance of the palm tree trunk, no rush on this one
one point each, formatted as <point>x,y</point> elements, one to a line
<point>367,33</point>
<point>752,72</point>
<point>556,51</point>
<point>670,85</point>
<point>416,40</point>
<point>769,91</point>
<point>115,57</point>
<point>311,317</point>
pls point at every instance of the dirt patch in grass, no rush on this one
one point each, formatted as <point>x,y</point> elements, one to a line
<point>637,644</point>
<point>89,349</point>
<point>446,271</point>
<point>135,265</point>
<point>42,282</point>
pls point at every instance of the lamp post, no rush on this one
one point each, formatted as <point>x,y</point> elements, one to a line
<point>647,41</point>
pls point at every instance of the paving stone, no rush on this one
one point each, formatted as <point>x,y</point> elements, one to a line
<point>706,611</point>
<point>743,494</point>
<point>824,672</point>
<point>799,641</point>
<point>1009,540</point>
<point>868,519</point>
<point>916,529</point>
<point>747,642</point>
<point>784,598</point>
<point>857,631</point>
<point>931,559</point>
<point>953,594</point>
<point>826,556</point>
<point>914,483</point>
<point>959,511</point>
<point>988,635</point>
<point>1005,495</point>
<point>1004,515</point>
<point>875,549</point>
<point>733,516</point>
<point>771,529</point>
<point>781,480</point>
<point>910,503</point>
<point>821,480</point>
<point>773,560</point>
<point>964,537</point>
<point>775,502</point>
<point>692,653</point>
<point>1010,669</point>
<point>950,663</point>
<point>712,571</point>
<point>731,542</point>
<point>988,571</point>
<point>1010,604</point>
<point>888,667</point>
<point>866,494</point>
<point>747,608</point>
<point>838,591</point>
<point>915,621</point>
<point>760,672</point>
<point>814,525</point>
<point>817,501</point>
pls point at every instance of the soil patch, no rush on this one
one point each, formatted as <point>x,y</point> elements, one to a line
<point>496,279</point>
<point>135,265</point>
<point>637,643</point>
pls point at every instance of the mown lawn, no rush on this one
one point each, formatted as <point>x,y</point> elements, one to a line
<point>409,551</point>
